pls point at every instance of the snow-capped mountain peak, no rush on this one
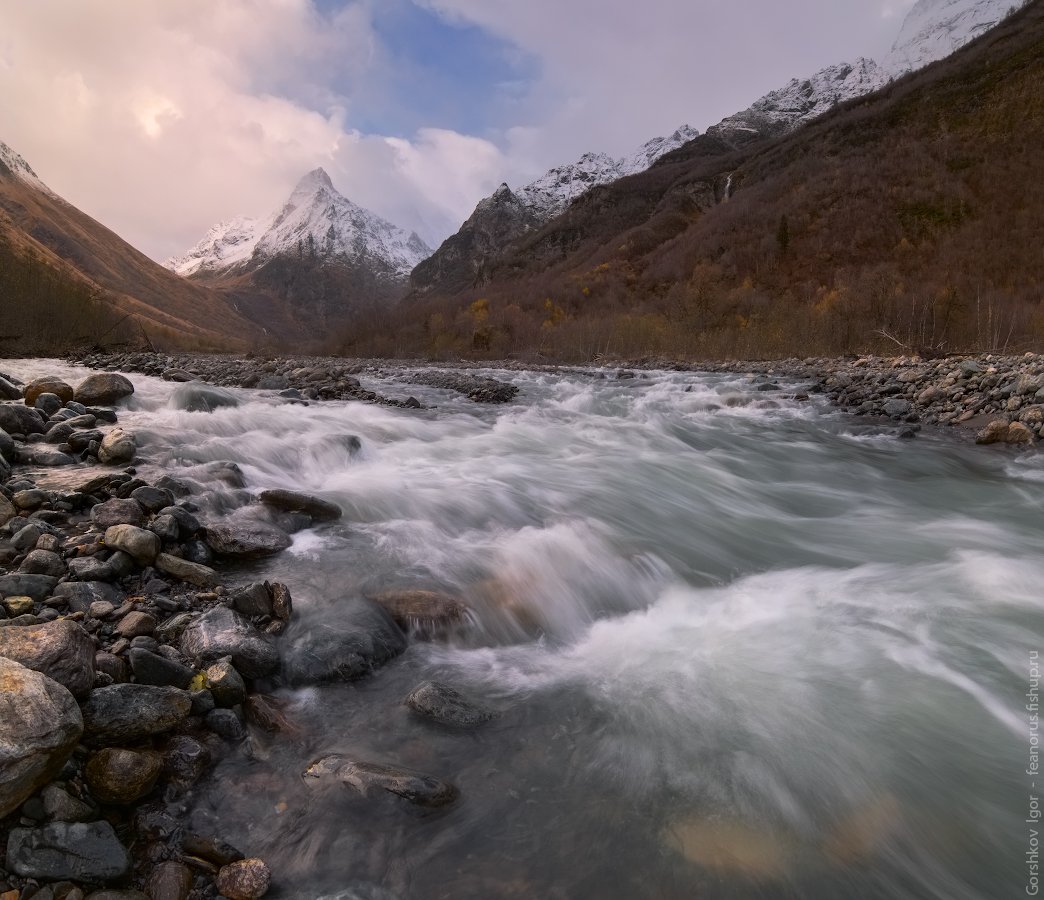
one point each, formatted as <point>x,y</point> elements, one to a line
<point>316,219</point>
<point>934,29</point>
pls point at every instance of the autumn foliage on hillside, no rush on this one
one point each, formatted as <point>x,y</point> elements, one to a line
<point>911,217</point>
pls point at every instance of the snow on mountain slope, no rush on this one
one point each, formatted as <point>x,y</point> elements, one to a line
<point>934,29</point>
<point>804,99</point>
<point>316,220</point>
<point>20,169</point>
<point>553,191</point>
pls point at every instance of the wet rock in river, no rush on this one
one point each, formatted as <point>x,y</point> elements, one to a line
<point>426,611</point>
<point>295,501</point>
<point>247,879</point>
<point>363,638</point>
<point>246,539</point>
<point>122,776</point>
<point>368,778</point>
<point>88,852</point>
<point>103,389</point>
<point>443,704</point>
<point>118,447</point>
<point>225,684</point>
<point>61,650</point>
<point>222,632</point>
<point>195,396</point>
<point>124,713</point>
<point>118,512</point>
<point>40,724</point>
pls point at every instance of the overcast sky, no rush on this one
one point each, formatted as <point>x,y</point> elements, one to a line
<point>162,117</point>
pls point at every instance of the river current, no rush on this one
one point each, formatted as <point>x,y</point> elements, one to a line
<point>740,646</point>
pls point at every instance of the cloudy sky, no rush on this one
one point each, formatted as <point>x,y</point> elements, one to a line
<point>161,117</point>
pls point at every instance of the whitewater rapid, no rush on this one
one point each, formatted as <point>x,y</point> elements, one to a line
<point>741,645</point>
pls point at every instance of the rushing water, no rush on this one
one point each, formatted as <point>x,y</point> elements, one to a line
<point>741,647</point>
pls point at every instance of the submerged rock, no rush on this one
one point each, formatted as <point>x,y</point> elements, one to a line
<point>40,724</point>
<point>364,638</point>
<point>443,704</point>
<point>368,778</point>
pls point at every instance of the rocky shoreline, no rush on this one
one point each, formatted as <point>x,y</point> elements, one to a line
<point>997,398</point>
<point>130,666</point>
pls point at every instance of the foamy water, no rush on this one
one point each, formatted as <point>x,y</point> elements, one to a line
<point>741,645</point>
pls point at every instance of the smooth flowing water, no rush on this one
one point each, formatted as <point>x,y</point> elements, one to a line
<point>742,647</point>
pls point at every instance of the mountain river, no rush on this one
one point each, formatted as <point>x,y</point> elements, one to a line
<point>739,646</point>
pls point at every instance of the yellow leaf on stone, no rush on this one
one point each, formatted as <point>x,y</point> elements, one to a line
<point>198,682</point>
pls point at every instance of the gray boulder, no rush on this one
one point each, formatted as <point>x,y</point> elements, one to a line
<point>143,546</point>
<point>79,851</point>
<point>39,587</point>
<point>118,512</point>
<point>122,713</point>
<point>15,418</point>
<point>40,724</point>
<point>222,632</point>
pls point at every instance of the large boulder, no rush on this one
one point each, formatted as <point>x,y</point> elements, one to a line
<point>103,389</point>
<point>370,779</point>
<point>122,713</point>
<point>9,390</point>
<point>117,447</point>
<point>295,501</point>
<point>18,419</point>
<point>363,638</point>
<point>222,632</point>
<point>61,650</point>
<point>78,851</point>
<point>48,384</point>
<point>40,724</point>
<point>247,539</point>
<point>198,397</point>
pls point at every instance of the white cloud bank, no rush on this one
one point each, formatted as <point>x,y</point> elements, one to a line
<point>160,118</point>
